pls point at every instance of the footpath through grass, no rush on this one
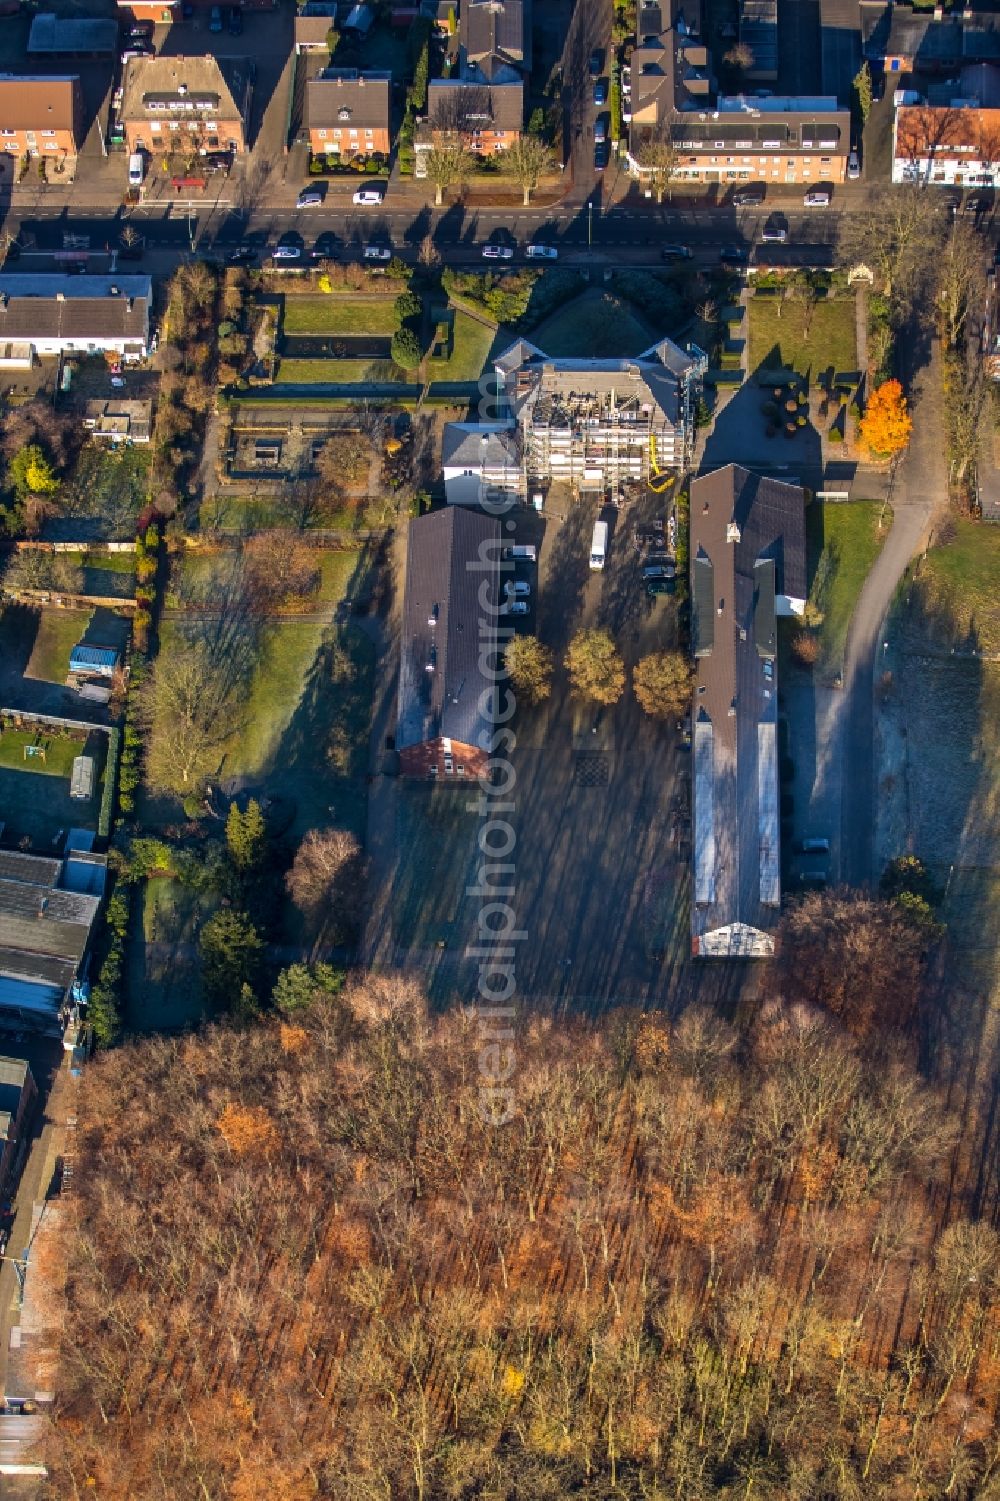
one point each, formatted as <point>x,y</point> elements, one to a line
<point>843,541</point>
<point>808,340</point>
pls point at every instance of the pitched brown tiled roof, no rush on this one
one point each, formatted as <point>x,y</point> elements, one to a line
<point>475,106</point>
<point>28,102</point>
<point>368,97</point>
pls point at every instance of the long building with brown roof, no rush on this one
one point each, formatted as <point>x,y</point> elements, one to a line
<point>748,566</point>
<point>54,314</point>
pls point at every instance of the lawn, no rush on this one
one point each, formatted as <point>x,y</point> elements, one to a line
<point>960,588</point>
<point>802,339</point>
<point>109,573</point>
<point>58,632</point>
<point>305,709</point>
<point>338,373</point>
<point>245,514</point>
<point>194,576</point>
<point>59,753</point>
<point>596,325</point>
<point>340,313</point>
<point>163,982</point>
<point>843,541</point>
<point>471,344</point>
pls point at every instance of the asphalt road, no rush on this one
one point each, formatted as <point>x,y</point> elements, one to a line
<point>630,233</point>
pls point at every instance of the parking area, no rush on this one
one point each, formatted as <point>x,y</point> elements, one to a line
<point>601,801</point>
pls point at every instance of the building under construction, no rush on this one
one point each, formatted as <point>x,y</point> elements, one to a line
<point>600,424</point>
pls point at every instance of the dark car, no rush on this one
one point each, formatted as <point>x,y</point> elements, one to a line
<point>596,64</point>
<point>214,163</point>
<point>747,197</point>
<point>243,255</point>
<point>142,31</point>
<point>130,253</point>
<point>660,586</point>
<point>601,156</point>
<point>671,253</point>
<point>235,21</point>
<point>325,248</point>
<point>601,91</point>
<point>734,255</point>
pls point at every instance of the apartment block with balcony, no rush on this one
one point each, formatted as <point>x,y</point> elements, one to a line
<point>777,140</point>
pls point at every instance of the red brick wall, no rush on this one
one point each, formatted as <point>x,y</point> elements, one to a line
<point>417,760</point>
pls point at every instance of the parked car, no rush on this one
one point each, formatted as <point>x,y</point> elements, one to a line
<point>517,589</point>
<point>497,253</point>
<point>774,232</point>
<point>536,252</point>
<point>602,127</point>
<point>235,21</point>
<point>142,31</point>
<point>215,18</point>
<point>309,198</point>
<point>671,253</point>
<point>325,248</point>
<point>659,571</point>
<point>601,156</point>
<point>286,251</point>
<point>370,197</point>
<point>138,49</point>
<point>243,255</point>
<point>626,80</point>
<point>601,92</point>
<point>734,255</point>
<point>377,253</point>
<point>596,62</point>
<point>660,586</point>
<point>853,166</point>
<point>516,607</point>
<point>818,198</point>
<point>748,197</point>
<point>215,162</point>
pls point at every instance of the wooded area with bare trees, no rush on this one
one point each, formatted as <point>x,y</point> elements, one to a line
<point>697,1262</point>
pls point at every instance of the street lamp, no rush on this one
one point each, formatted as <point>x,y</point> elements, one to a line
<point>590,219</point>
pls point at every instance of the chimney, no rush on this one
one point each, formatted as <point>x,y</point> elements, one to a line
<point>60,297</point>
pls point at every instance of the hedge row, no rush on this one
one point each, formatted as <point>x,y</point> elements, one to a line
<point>110,776</point>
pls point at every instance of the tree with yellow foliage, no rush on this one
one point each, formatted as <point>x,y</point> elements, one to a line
<point>886,426</point>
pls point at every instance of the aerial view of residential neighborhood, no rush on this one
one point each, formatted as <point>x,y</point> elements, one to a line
<point>500,750</point>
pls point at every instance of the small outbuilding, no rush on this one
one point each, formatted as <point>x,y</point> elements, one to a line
<point>94,661</point>
<point>81,786</point>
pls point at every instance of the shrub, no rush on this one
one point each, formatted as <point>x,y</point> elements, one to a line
<point>836,434</point>
<point>108,795</point>
<point>805,648</point>
<point>405,349</point>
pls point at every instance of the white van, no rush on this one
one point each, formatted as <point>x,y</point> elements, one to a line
<point>599,545</point>
<point>136,169</point>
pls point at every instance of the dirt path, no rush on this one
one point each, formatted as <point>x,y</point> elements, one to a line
<point>921,489</point>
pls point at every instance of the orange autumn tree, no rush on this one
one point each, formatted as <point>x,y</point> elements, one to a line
<point>887,425</point>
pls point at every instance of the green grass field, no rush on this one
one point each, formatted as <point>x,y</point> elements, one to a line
<point>163,977</point>
<point>244,514</point>
<point>593,325</point>
<point>303,723</point>
<point>960,585</point>
<point>808,341</point>
<point>111,485</point>
<point>340,313</point>
<point>58,632</point>
<point>471,343</point>
<point>59,753</point>
<point>843,542</point>
<point>338,373</point>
